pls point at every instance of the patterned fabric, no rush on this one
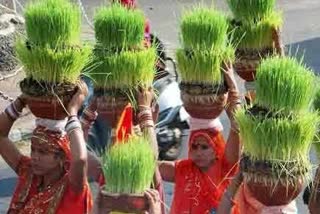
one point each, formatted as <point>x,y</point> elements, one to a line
<point>197,191</point>
<point>57,198</point>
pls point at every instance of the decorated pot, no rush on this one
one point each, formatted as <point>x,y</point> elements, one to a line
<point>120,203</point>
<point>203,101</point>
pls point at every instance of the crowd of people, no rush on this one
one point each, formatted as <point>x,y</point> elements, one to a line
<point>54,179</point>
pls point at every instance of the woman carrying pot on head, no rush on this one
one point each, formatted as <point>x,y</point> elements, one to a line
<point>143,120</point>
<point>201,179</point>
<point>53,179</point>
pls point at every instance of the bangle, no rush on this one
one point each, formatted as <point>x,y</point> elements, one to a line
<point>147,124</point>
<point>12,112</point>
<point>72,130</point>
<point>143,106</point>
<point>144,113</point>
<point>73,124</point>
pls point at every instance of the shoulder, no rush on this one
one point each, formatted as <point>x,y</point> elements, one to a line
<point>182,165</point>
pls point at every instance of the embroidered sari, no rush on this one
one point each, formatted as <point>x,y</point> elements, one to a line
<point>58,197</point>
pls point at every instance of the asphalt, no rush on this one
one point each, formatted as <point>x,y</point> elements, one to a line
<point>301,34</point>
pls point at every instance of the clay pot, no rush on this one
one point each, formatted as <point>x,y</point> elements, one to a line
<point>124,203</point>
<point>280,194</point>
<point>46,100</point>
<point>48,107</point>
<point>203,105</point>
<point>269,183</point>
<point>247,61</point>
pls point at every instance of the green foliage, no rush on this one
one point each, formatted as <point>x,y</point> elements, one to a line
<point>52,65</point>
<point>284,84</point>
<point>52,22</point>
<point>204,28</point>
<point>119,27</point>
<point>125,69</point>
<point>129,166</point>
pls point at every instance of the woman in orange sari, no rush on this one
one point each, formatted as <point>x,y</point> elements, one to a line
<point>201,180</point>
<point>53,179</point>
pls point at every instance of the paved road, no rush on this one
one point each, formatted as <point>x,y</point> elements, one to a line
<point>301,31</point>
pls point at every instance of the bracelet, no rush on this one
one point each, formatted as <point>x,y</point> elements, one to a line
<point>144,107</point>
<point>12,112</point>
<point>71,120</point>
<point>72,130</point>
<point>144,112</point>
<point>147,124</point>
<point>73,124</point>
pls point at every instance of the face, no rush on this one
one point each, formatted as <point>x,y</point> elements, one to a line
<point>201,153</point>
<point>43,161</point>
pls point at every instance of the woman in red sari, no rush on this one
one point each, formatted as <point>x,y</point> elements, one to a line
<point>201,180</point>
<point>53,179</point>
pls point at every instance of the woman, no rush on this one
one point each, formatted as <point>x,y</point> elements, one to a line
<point>201,179</point>
<point>145,119</point>
<point>53,179</point>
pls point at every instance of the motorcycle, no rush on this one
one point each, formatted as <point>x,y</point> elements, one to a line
<point>172,125</point>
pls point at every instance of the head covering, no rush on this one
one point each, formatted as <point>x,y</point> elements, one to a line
<point>52,141</point>
<point>214,139</point>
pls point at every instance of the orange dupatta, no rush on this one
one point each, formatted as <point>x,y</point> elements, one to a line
<point>200,192</point>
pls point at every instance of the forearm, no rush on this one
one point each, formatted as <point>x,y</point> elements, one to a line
<point>7,118</point>
<point>79,156</point>
<point>316,185</point>
<point>94,169</point>
<point>233,146</point>
<point>150,133</point>
<point>8,150</point>
<point>147,127</point>
<point>87,120</point>
<point>227,201</point>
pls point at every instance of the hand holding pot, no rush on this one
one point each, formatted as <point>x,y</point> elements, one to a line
<point>154,201</point>
<point>78,99</point>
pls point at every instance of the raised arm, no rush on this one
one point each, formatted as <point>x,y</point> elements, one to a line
<point>314,201</point>
<point>79,156</point>
<point>233,146</point>
<point>8,150</point>
<point>227,201</point>
<point>145,119</point>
